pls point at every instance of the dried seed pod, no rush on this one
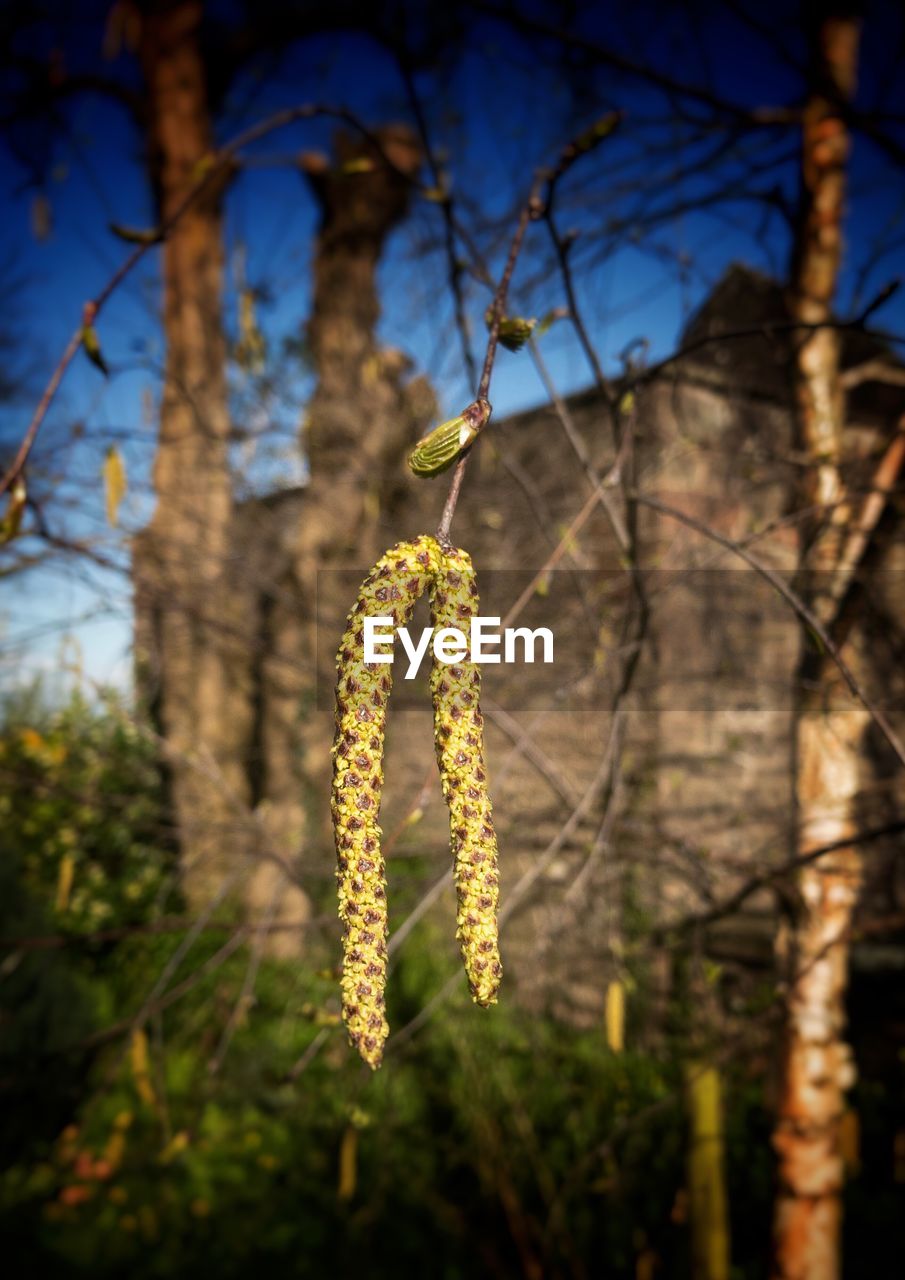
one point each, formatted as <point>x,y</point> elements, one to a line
<point>391,589</point>
<point>441,447</point>
<point>459,740</point>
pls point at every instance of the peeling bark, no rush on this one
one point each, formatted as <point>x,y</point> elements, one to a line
<point>817,256</point>
<point>816,1067</point>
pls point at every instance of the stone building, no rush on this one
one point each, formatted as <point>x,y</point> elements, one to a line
<point>695,795</point>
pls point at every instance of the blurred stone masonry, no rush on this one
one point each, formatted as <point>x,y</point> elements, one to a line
<point>704,793</point>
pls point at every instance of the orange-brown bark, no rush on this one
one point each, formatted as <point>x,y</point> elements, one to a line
<point>816,262</point>
<point>184,550</point>
<point>817,1066</point>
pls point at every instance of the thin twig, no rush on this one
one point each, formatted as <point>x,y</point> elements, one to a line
<point>797,604</point>
<point>539,197</point>
<point>454,268</point>
<point>763,879</point>
<point>244,998</point>
<point>219,161</point>
<point>561,249</point>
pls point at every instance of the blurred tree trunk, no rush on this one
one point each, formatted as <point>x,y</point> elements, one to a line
<point>362,416</point>
<point>181,587</point>
<point>816,1067</point>
<point>353,430</point>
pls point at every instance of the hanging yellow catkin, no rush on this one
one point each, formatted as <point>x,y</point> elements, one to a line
<point>707,1196</point>
<point>348,1164</point>
<point>65,878</point>
<point>615,1016</point>
<point>459,741</point>
<point>116,483</point>
<point>391,589</point>
<point>141,1067</point>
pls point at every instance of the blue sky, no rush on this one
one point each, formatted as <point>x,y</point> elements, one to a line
<point>497,113</point>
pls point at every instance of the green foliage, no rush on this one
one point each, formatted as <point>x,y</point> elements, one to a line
<point>81,807</point>
<point>488,1144</point>
<point>467,1142</point>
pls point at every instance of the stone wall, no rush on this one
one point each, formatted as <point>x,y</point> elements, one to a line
<point>703,797</point>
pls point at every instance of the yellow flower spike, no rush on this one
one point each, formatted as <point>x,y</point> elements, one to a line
<point>459,741</point>
<point>11,521</point>
<point>391,589</point>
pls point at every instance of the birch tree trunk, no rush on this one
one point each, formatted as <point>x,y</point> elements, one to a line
<point>816,1066</point>
<point>182,555</point>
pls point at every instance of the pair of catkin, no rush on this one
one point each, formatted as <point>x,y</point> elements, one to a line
<point>392,589</point>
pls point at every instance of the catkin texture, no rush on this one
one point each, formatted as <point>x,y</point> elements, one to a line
<point>391,589</point>
<point>459,741</point>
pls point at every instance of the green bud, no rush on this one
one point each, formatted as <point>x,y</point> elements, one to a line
<point>440,448</point>
<point>93,349</point>
<point>136,235</point>
<point>597,132</point>
<point>514,331</point>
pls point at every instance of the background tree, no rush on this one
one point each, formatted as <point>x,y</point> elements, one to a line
<point>817,1067</point>
<point>645,800</point>
<point>190,532</point>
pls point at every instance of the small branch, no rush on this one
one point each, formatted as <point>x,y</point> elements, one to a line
<point>449,223</point>
<point>245,997</point>
<point>452,498</point>
<point>12,474</point>
<point>781,328</point>
<point>561,249</point>
<point>579,448</point>
<point>56,941</point>
<point>538,201</point>
<point>760,117</point>
<point>219,161</point>
<point>554,558</point>
<point>497,310</point>
<point>858,540</point>
<point>891,375</point>
<point>764,879</point>
<point>798,605</point>
<point>522,739</point>
<point>168,998</point>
